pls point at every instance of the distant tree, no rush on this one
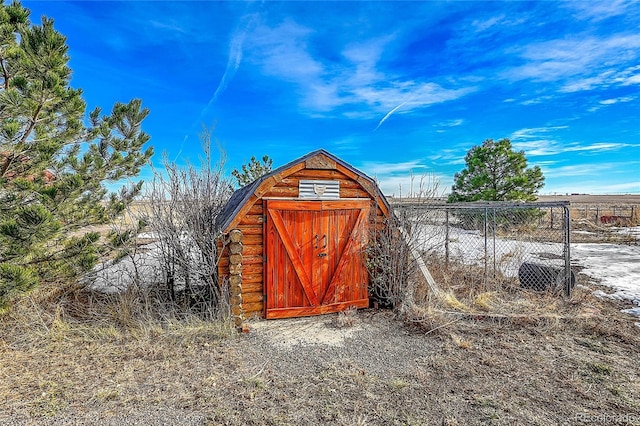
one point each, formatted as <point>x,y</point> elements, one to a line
<point>53,168</point>
<point>495,172</point>
<point>252,170</point>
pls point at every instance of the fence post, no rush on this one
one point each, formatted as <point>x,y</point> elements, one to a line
<point>495,225</point>
<point>567,251</point>
<point>551,217</point>
<point>446,238</point>
<point>486,220</point>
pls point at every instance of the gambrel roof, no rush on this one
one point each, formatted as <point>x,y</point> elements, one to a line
<point>245,197</point>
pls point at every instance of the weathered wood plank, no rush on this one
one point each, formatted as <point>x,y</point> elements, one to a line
<point>353,193</point>
<point>252,250</point>
<point>252,219</point>
<point>315,310</point>
<point>253,240</point>
<point>251,229</point>
<point>253,308</point>
<point>347,172</point>
<point>256,208</point>
<point>251,260</point>
<point>282,191</point>
<point>319,174</point>
<point>252,287</point>
<point>251,269</point>
<point>320,162</point>
<point>252,297</point>
<point>251,277</point>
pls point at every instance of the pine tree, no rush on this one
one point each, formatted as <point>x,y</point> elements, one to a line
<point>252,170</point>
<point>53,168</point>
<point>495,172</point>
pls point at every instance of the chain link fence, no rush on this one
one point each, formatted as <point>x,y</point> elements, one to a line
<point>607,214</point>
<point>492,247</point>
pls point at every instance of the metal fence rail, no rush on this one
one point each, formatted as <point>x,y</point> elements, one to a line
<point>494,246</point>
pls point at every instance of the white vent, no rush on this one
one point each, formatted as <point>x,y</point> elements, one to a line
<point>319,189</point>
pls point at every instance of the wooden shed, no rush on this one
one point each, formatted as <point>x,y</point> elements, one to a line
<point>297,237</point>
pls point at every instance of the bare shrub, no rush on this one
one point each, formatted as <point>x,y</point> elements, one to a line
<point>391,255</point>
<point>182,204</point>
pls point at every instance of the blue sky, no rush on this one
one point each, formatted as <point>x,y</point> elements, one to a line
<point>394,88</point>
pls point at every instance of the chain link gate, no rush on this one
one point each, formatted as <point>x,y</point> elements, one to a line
<point>494,246</point>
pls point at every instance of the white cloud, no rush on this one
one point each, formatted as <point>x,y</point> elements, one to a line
<point>450,157</point>
<point>528,133</point>
<point>481,25</point>
<point>539,147</point>
<point>377,168</point>
<point>450,123</point>
<point>538,100</point>
<point>353,79</point>
<point>536,142</point>
<point>599,10</point>
<point>580,63</point>
<point>625,77</point>
<point>577,170</point>
<point>544,147</point>
<point>616,100</point>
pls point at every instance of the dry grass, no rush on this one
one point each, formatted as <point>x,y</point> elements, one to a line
<point>444,366</point>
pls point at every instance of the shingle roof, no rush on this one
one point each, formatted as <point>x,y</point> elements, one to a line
<point>242,195</point>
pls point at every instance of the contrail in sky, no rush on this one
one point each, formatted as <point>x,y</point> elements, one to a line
<point>389,115</point>
<point>181,146</point>
<point>233,63</point>
<point>235,55</point>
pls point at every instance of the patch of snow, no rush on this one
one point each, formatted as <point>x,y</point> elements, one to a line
<point>584,232</point>
<point>615,265</point>
<point>632,231</point>
<point>149,235</point>
<point>114,277</point>
<point>634,311</point>
<point>468,247</point>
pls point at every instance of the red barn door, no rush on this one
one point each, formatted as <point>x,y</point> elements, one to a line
<point>314,262</point>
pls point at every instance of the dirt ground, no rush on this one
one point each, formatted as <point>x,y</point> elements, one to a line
<point>369,367</point>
